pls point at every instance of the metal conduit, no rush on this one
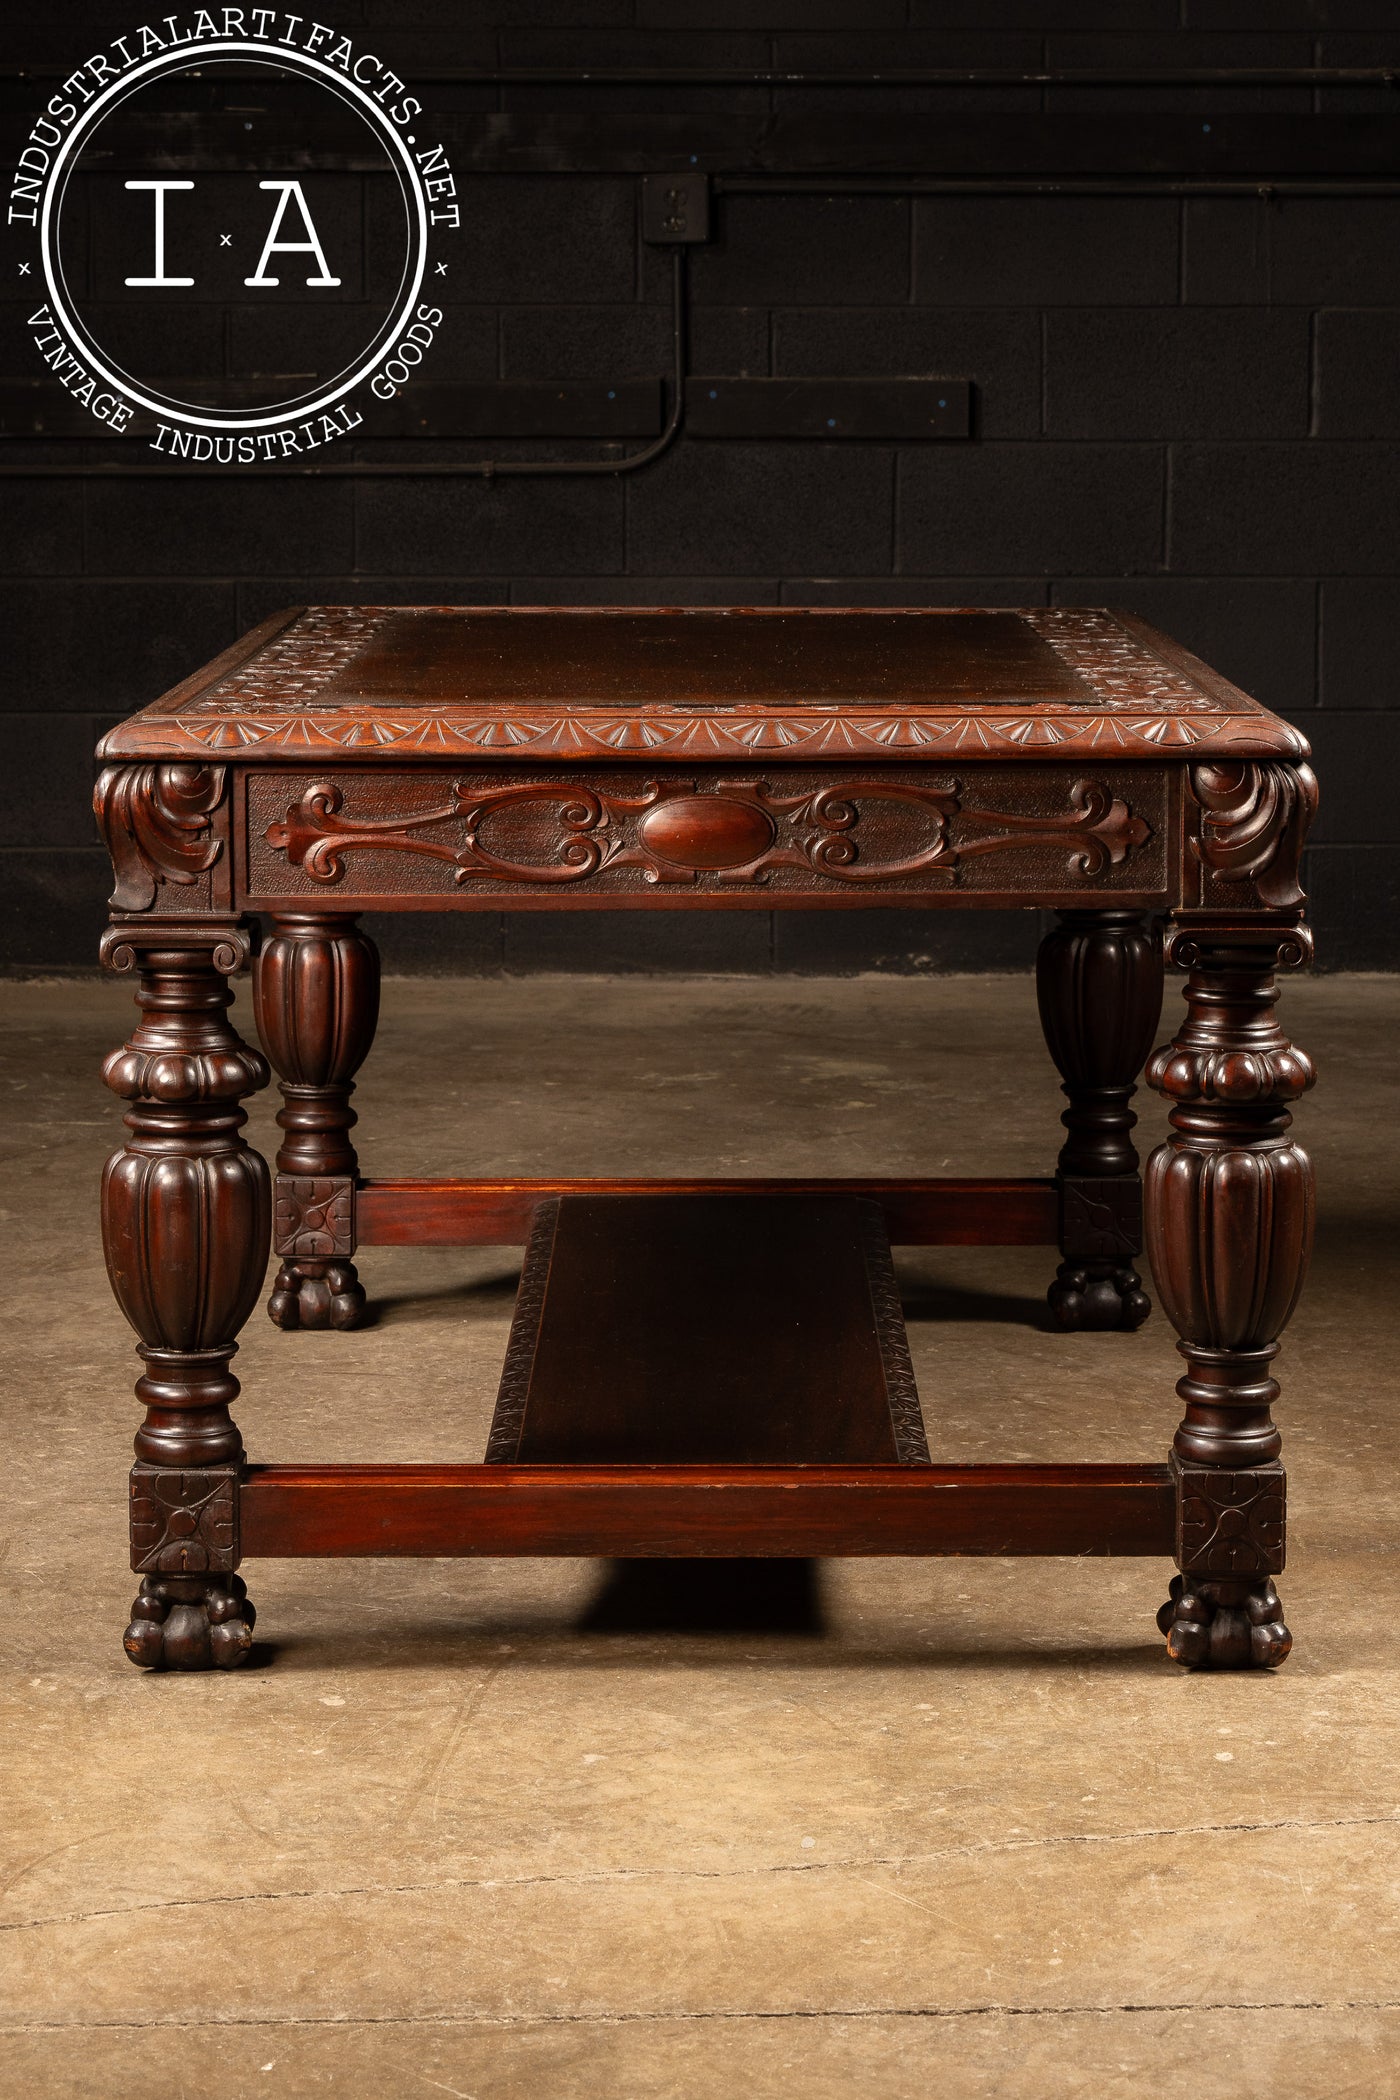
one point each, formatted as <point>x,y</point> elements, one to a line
<point>904,77</point>
<point>796,185</point>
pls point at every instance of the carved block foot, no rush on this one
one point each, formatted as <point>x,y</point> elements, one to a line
<point>190,1622</point>
<point>317,1294</point>
<point>1097,1297</point>
<point>1224,1625</point>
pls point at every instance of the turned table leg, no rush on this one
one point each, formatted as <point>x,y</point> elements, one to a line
<point>316,993</point>
<point>185,1221</point>
<point>1099,986</point>
<point>1230,1224</point>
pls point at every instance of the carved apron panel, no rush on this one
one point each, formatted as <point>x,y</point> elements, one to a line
<point>662,836</point>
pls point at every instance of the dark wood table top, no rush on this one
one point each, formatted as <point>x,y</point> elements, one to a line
<point>512,684</point>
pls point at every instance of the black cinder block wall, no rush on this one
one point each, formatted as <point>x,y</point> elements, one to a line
<point>1188,406</point>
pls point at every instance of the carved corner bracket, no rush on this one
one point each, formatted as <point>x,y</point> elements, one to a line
<point>1229,1523</point>
<point>159,824</point>
<point>313,1218</point>
<point>1254,823</point>
<point>184,1521</point>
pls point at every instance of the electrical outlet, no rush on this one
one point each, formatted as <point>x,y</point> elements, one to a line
<point>675,208</point>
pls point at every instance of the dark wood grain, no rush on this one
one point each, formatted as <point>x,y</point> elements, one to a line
<point>771,684</point>
<point>681,1330</point>
<point>502,1213</point>
<point>1230,1228</point>
<point>662,1512</point>
<point>603,836</point>
<point>349,758</point>
<point>1099,988</point>
<point>316,996</point>
<point>185,1225</point>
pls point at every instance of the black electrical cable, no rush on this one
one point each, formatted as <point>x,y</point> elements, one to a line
<point>469,469</point>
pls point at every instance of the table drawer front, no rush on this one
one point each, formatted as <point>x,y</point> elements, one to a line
<point>619,834</point>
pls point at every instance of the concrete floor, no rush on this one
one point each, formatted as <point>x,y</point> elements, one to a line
<point>510,1829</point>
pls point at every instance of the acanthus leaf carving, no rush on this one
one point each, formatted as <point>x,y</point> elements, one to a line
<point>157,821</point>
<point>1254,822</point>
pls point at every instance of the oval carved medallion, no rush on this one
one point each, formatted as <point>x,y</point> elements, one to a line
<point>706,831</point>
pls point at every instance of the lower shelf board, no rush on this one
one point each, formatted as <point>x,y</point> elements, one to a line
<point>661,1512</point>
<point>707,1329</point>
<point>707,1373</point>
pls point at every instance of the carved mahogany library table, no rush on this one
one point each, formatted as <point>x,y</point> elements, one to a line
<point>705,1367</point>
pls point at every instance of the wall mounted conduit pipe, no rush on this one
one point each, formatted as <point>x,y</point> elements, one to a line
<point>1340,77</point>
<point>914,76</point>
<point>441,470</point>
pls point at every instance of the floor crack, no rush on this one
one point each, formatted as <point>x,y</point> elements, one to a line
<point>604,1876</point>
<point>983,2010</point>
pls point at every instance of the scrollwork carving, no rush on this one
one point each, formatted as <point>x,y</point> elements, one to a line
<point>227,943</point>
<point>1254,822</point>
<point>674,832</point>
<point>157,821</point>
<point>1191,935</point>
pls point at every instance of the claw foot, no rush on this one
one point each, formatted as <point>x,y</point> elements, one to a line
<point>316,1294</point>
<point>1094,1295</point>
<point>1222,1625</point>
<point>190,1622</point>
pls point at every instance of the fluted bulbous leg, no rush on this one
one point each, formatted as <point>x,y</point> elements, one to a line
<point>186,1213</point>
<point>1230,1226</point>
<point>317,1003</point>
<point>1099,986</point>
